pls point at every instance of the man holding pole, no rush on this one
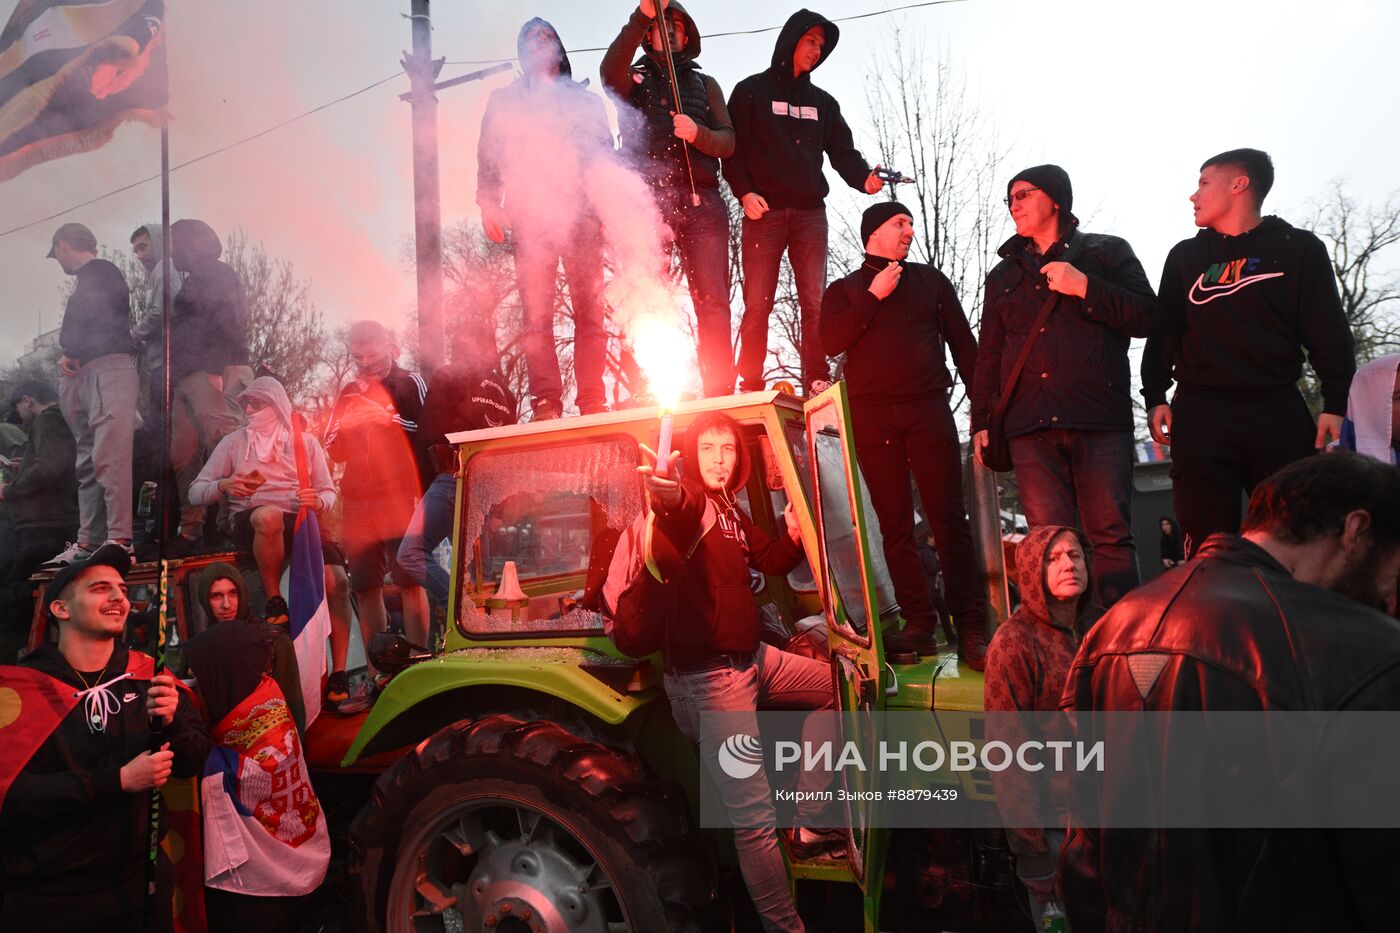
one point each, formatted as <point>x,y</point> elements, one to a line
<point>675,130</point>
<point>76,766</point>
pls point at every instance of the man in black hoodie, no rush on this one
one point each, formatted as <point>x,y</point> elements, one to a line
<point>538,137</point>
<point>892,319</point>
<point>208,360</point>
<point>1241,302</point>
<point>715,661</point>
<point>678,153</point>
<point>75,786</point>
<point>784,125</point>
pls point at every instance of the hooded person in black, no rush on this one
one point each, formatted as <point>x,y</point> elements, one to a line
<point>678,153</point>
<point>893,319</point>
<point>1241,302</point>
<point>715,661</point>
<point>208,360</point>
<point>785,124</point>
<point>539,135</point>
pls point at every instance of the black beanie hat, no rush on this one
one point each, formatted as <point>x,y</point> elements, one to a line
<point>876,216</point>
<point>1051,179</point>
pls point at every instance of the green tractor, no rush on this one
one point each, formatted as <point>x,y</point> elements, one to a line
<point>535,780</point>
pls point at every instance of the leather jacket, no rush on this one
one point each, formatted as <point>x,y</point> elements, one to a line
<point>1231,630</point>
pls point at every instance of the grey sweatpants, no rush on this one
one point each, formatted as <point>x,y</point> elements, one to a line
<point>99,404</point>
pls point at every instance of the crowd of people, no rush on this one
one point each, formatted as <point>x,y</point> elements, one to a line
<point>1239,308</point>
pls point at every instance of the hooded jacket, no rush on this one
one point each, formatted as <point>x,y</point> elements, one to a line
<point>147,334</point>
<point>538,135</point>
<point>67,825</point>
<point>784,124</point>
<point>460,398</point>
<point>233,455</point>
<point>1027,663</point>
<point>648,129</point>
<point>1230,630</point>
<point>1238,312</point>
<point>209,316</point>
<point>45,493</point>
<point>1077,375</point>
<point>1370,422</point>
<point>716,613</point>
<point>229,658</point>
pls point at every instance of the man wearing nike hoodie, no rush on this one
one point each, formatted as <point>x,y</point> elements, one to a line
<point>784,125</point>
<point>539,135</point>
<point>1242,301</point>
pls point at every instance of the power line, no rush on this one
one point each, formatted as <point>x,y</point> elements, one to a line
<point>397,74</point>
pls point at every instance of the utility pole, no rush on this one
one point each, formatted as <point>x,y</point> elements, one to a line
<point>422,72</point>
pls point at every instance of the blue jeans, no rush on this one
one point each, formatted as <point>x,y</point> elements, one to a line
<point>1084,479</point>
<point>774,679</point>
<point>802,233</point>
<point>702,239</point>
<point>430,525</point>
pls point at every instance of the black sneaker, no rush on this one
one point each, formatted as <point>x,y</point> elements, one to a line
<point>972,647</point>
<point>913,641</point>
<point>337,690</point>
<point>825,844</point>
<point>275,611</point>
<point>546,410</point>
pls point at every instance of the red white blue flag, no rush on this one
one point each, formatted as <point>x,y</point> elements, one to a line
<point>309,617</point>
<point>71,71</point>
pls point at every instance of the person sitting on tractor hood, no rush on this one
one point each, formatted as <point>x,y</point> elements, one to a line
<point>714,659</point>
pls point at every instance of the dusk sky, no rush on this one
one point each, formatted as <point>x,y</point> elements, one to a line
<point>1129,97</point>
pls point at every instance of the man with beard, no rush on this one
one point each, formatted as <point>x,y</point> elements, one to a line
<point>785,128</point>
<point>539,136</point>
<point>1282,617</point>
<point>678,153</point>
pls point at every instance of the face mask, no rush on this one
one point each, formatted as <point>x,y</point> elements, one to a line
<point>263,421</point>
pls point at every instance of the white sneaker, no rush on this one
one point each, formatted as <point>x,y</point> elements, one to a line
<point>72,554</point>
<point>124,545</point>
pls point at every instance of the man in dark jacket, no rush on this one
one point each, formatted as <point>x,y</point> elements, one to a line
<point>715,661</point>
<point>677,151</point>
<point>1278,619</point>
<point>371,431</point>
<point>784,125</point>
<point>1070,419</point>
<point>42,501</point>
<point>1027,665</point>
<point>539,135</point>
<point>98,391</point>
<point>208,361</point>
<point>466,395</point>
<point>76,778</point>
<point>892,319</point>
<point>1241,302</point>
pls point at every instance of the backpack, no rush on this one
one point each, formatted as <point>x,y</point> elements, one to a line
<point>639,595</point>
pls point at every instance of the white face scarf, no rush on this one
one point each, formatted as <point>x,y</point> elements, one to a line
<point>265,435</point>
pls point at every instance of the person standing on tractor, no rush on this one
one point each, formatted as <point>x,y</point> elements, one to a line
<point>715,662</point>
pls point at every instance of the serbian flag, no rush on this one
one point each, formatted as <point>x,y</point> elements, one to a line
<point>309,616</point>
<point>264,831</point>
<point>71,71</point>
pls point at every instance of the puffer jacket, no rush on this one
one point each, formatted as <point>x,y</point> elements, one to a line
<point>1077,375</point>
<point>1027,663</point>
<point>1230,630</point>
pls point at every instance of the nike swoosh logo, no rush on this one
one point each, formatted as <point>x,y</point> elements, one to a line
<point>1209,293</point>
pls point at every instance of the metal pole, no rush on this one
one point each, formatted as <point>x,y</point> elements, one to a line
<point>427,220</point>
<point>985,512</point>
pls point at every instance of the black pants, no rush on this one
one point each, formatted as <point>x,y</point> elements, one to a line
<point>1222,446</point>
<point>246,913</point>
<point>920,438</point>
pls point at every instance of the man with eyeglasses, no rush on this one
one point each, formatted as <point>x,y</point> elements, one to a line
<point>1070,416</point>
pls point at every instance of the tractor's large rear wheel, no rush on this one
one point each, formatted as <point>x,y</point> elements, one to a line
<point>512,825</point>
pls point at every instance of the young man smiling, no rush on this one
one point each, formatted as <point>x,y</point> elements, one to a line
<point>1242,301</point>
<point>1070,417</point>
<point>893,318</point>
<point>75,779</point>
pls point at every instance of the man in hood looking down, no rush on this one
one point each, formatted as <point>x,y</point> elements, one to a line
<point>678,153</point>
<point>1241,302</point>
<point>539,136</point>
<point>784,126</point>
<point>1027,664</point>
